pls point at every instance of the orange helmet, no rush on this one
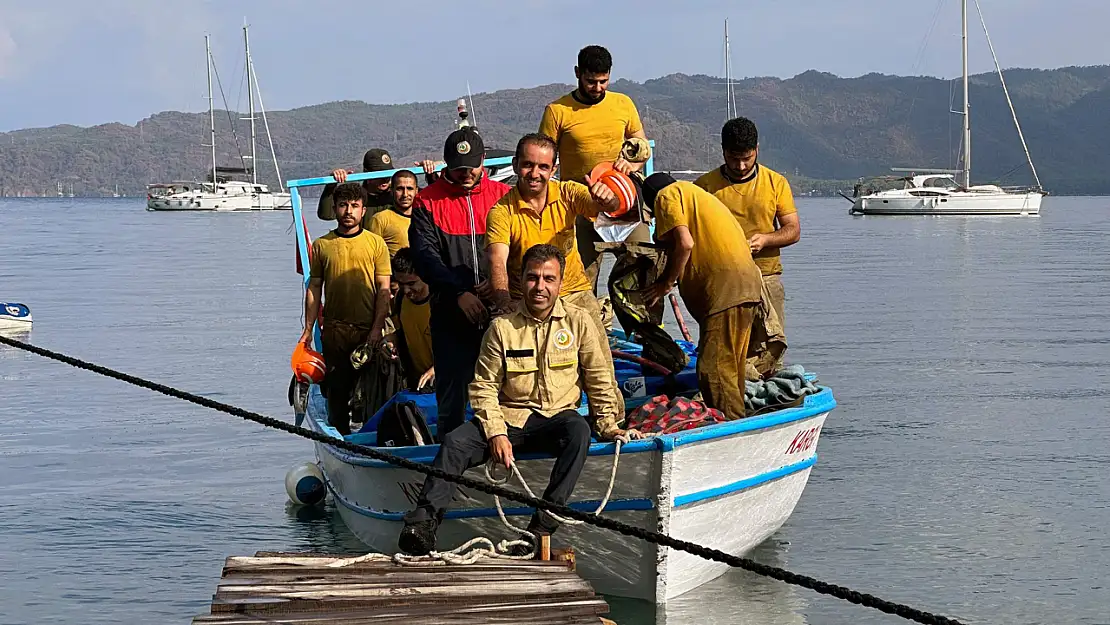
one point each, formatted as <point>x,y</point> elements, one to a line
<point>619,183</point>
<point>308,364</point>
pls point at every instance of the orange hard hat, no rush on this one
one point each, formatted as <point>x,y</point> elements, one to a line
<point>308,364</point>
<point>620,184</point>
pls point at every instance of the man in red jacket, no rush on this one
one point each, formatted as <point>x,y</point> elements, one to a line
<point>447,236</point>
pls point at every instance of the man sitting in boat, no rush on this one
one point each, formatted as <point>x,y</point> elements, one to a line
<point>392,223</point>
<point>533,367</point>
<point>350,271</point>
<point>589,126</point>
<point>378,195</point>
<point>760,200</point>
<point>540,210</point>
<point>708,256</point>
<point>413,335</point>
<point>448,238</point>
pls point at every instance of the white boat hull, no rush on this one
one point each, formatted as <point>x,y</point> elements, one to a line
<point>728,486</point>
<point>214,202</point>
<point>961,204</point>
<point>15,317</point>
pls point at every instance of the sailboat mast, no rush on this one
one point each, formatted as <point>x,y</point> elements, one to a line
<point>250,99</point>
<point>730,104</point>
<point>211,110</point>
<point>967,116</point>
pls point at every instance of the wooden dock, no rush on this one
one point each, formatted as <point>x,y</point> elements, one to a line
<point>300,588</point>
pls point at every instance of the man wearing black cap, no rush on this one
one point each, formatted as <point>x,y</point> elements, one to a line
<point>708,256</point>
<point>448,241</point>
<point>378,195</point>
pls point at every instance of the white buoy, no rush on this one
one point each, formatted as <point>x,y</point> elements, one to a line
<point>305,484</point>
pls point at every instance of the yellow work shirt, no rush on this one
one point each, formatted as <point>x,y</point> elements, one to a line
<point>588,134</point>
<point>415,322</point>
<point>757,203</point>
<point>348,265</point>
<point>392,227</point>
<point>512,222</point>
<point>527,366</point>
<point>720,273</point>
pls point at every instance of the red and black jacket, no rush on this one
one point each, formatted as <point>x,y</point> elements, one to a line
<point>447,235</point>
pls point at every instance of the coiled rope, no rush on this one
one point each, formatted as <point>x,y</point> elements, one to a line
<point>783,575</point>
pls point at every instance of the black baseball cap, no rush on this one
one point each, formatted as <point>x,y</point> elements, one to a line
<point>653,185</point>
<point>464,148</point>
<point>377,159</point>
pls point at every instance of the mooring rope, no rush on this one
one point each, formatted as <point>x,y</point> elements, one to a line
<point>783,575</point>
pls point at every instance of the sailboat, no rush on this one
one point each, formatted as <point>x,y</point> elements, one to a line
<point>222,192</point>
<point>928,191</point>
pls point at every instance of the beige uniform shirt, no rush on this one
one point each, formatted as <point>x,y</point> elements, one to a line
<point>529,366</point>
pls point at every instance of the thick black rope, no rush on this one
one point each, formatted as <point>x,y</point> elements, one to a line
<point>773,572</point>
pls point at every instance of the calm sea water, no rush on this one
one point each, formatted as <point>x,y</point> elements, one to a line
<point>965,470</point>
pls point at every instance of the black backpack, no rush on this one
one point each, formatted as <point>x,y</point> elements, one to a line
<point>403,424</point>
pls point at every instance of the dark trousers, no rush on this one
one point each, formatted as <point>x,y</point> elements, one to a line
<point>455,348</point>
<point>565,435</point>
<point>338,340</point>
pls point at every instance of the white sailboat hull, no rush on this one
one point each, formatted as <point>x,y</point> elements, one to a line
<point>954,204</point>
<point>215,202</point>
<point>728,486</point>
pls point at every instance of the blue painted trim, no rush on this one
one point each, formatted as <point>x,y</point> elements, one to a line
<point>483,513</point>
<point>372,175</point>
<point>762,478</point>
<point>814,405</point>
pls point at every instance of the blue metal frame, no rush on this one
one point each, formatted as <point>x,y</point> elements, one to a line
<point>298,211</point>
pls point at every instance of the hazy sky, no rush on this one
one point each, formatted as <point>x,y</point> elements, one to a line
<point>93,61</point>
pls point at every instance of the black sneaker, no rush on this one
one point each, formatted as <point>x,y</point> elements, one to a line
<point>418,538</point>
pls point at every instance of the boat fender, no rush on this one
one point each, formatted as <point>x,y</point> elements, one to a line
<point>304,484</point>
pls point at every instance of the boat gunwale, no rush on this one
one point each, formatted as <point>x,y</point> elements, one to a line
<point>813,405</point>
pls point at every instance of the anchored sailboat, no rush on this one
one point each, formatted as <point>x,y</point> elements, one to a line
<point>928,191</point>
<point>221,192</point>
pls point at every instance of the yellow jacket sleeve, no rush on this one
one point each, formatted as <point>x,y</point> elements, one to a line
<point>486,387</point>
<point>577,196</point>
<point>602,394</point>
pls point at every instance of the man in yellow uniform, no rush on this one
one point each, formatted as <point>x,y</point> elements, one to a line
<point>528,383</point>
<point>392,223</point>
<point>720,283</point>
<point>589,126</point>
<point>760,200</point>
<point>540,210</point>
<point>350,271</point>
<point>413,337</point>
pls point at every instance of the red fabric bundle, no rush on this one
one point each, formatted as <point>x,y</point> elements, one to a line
<point>663,415</point>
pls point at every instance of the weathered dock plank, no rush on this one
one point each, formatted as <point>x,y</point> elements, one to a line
<point>301,589</point>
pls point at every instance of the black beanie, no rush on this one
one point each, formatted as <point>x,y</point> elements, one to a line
<point>653,185</point>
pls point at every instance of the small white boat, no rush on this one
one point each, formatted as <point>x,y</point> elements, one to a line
<point>222,193</point>
<point>229,195</point>
<point>15,316</point>
<point>938,193</point>
<point>727,486</point>
<point>930,191</point>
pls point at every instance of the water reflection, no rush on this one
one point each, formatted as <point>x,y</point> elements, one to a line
<point>736,598</point>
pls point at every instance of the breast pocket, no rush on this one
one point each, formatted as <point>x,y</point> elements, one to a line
<point>521,369</point>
